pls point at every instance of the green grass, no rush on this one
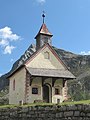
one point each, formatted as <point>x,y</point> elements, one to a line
<point>76,102</point>
<point>47,104</point>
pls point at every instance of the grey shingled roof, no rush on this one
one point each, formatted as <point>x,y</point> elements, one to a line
<point>51,73</point>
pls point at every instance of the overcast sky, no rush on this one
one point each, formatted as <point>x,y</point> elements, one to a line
<point>20,20</point>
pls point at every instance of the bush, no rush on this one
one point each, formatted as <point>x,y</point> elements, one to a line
<point>4,101</point>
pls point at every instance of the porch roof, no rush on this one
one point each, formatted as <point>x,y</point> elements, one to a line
<point>51,73</point>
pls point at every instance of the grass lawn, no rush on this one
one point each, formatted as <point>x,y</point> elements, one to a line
<point>47,104</point>
<point>76,102</point>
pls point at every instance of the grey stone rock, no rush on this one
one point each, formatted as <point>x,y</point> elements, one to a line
<point>68,113</point>
<point>77,113</point>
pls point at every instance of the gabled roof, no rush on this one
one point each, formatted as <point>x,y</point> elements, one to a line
<point>53,52</point>
<point>59,73</point>
<point>43,71</point>
<point>44,30</point>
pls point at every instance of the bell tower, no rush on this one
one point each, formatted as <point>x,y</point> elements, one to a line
<point>43,36</point>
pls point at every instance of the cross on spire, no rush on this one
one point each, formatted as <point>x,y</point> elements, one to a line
<point>43,15</point>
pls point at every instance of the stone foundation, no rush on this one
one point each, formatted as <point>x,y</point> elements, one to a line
<point>55,112</point>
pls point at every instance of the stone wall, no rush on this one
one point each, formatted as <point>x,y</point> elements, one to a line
<point>55,112</point>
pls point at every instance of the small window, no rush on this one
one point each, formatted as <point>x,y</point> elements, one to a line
<point>46,55</point>
<point>14,84</point>
<point>34,90</point>
<point>57,91</point>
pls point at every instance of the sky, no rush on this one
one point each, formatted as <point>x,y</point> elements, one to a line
<point>20,21</point>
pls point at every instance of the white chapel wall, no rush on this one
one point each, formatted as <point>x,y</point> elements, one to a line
<point>19,93</point>
<point>40,62</point>
<point>37,82</point>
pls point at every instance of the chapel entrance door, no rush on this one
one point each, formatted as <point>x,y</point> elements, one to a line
<point>46,93</point>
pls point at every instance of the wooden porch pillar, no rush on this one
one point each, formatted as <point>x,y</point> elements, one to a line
<point>53,81</point>
<point>43,79</point>
<point>31,79</point>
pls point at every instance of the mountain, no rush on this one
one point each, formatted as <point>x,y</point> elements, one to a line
<point>79,65</point>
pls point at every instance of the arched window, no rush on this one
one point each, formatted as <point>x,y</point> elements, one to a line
<point>14,84</point>
<point>46,55</point>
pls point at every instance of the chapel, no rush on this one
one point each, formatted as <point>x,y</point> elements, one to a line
<point>43,77</point>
